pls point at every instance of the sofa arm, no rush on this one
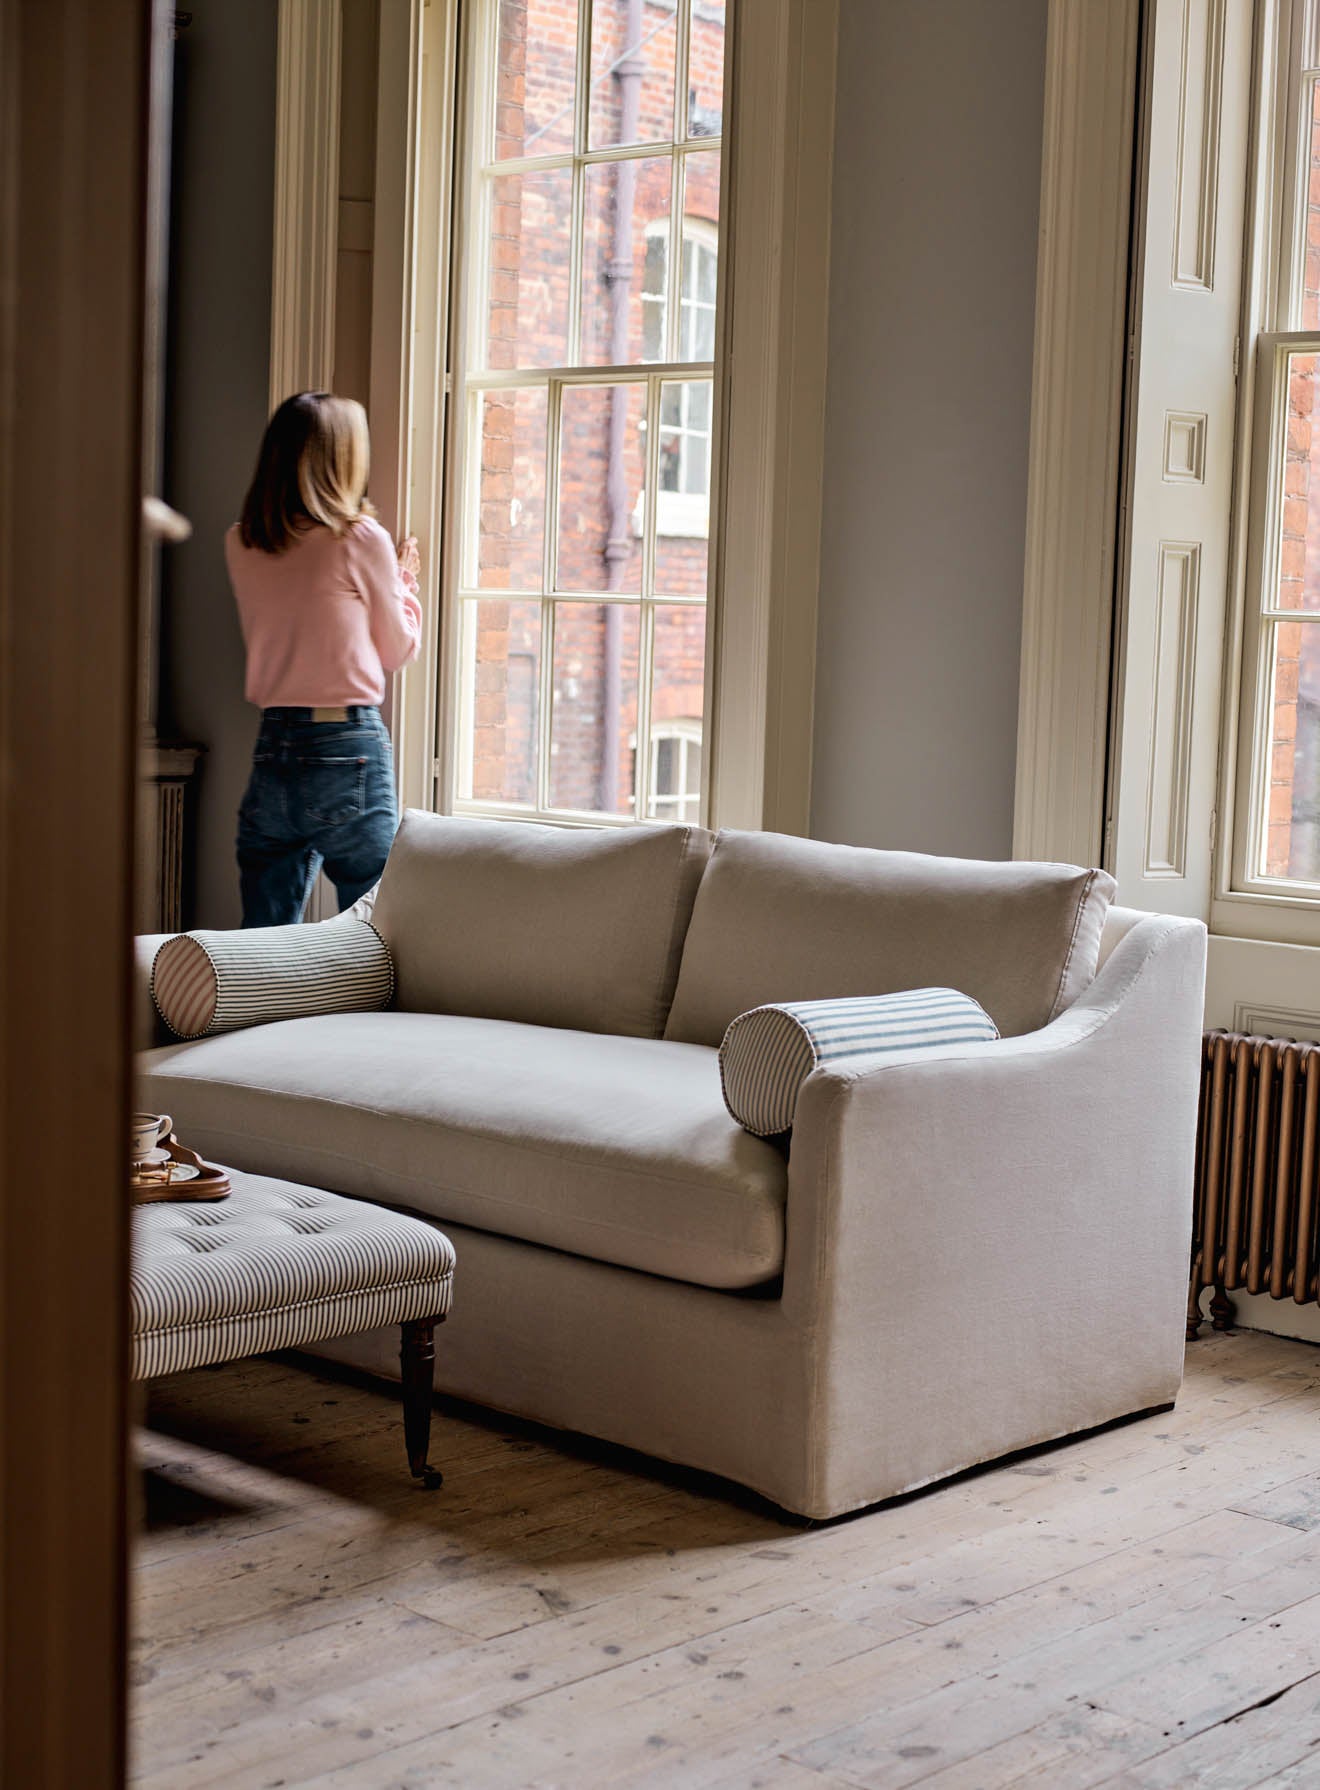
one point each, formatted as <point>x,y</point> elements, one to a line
<point>988,1243</point>
<point>149,1027</point>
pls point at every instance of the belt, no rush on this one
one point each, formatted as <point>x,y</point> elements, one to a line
<point>358,711</point>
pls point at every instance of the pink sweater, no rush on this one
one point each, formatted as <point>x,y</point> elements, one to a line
<point>325,620</point>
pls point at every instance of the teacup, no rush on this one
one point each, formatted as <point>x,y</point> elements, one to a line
<point>145,1132</point>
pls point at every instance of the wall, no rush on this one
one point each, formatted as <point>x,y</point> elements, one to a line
<point>219,370</point>
<point>216,400</point>
<point>932,298</point>
<point>359,54</point>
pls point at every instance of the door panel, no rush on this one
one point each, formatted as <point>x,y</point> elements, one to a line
<point>1182,400</point>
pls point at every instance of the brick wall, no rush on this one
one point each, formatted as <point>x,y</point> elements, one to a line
<point>527,326</point>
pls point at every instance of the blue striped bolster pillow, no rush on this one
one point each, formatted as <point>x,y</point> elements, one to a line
<point>206,982</point>
<point>770,1051</point>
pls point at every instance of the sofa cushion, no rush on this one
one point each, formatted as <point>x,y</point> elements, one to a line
<point>782,919</point>
<point>768,1053</point>
<point>575,927</point>
<point>218,981</point>
<point>614,1148</point>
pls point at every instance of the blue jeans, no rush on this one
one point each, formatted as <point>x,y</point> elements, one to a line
<point>320,792</point>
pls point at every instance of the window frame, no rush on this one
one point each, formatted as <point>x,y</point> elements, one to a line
<point>780,75</point>
<point>468,378</point>
<point>1245,900</point>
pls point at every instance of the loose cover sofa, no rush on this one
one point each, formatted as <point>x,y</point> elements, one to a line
<point>955,1253</point>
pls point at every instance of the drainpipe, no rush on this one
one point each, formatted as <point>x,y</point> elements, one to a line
<point>628,73</point>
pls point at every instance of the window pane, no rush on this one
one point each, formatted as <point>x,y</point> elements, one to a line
<point>682,521</point>
<point>626,211</point>
<point>511,494</point>
<point>706,69</point>
<point>696,302</point>
<point>528,269</point>
<point>701,206</point>
<point>1292,822</point>
<point>632,77</point>
<point>535,78</point>
<point>677,701</point>
<point>601,471</point>
<point>594,718</point>
<point>1310,317</point>
<point>1299,543</point>
<point>501,668</point>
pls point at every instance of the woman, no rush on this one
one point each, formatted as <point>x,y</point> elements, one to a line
<point>328,609</point>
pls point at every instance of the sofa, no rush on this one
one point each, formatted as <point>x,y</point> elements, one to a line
<point>954,1254</point>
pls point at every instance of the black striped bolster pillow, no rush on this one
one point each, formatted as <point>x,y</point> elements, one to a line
<point>770,1051</point>
<point>206,982</point>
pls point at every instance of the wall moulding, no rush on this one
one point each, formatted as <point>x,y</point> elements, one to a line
<point>1169,777</point>
<point>302,314</point>
<point>1076,416</point>
<point>773,422</point>
<point>1197,177</point>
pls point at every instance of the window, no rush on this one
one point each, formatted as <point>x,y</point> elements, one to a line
<point>676,771</point>
<point>585,386</point>
<point>683,498</point>
<point>1280,750</point>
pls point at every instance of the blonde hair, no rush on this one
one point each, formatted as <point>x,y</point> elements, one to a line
<point>312,470</point>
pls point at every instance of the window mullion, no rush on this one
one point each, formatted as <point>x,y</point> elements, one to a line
<point>674,262</point>
<point>682,70</point>
<point>646,633</point>
<point>549,578</point>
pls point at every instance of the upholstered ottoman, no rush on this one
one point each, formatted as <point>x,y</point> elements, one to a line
<point>276,1265</point>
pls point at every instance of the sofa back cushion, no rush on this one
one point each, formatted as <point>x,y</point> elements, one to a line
<point>783,919</point>
<point>574,927</point>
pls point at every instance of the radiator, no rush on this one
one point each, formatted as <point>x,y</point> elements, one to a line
<point>167,770</point>
<point>1256,1173</point>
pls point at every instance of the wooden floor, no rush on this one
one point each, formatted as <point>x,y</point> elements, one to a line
<point>1140,1609</point>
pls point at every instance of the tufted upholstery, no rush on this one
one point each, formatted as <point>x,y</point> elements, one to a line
<point>274,1266</point>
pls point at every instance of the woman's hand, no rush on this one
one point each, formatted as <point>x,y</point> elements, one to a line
<point>410,561</point>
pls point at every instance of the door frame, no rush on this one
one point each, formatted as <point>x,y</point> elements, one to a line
<point>74,86</point>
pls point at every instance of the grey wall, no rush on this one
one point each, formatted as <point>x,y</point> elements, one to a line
<point>216,398</point>
<point>932,301</point>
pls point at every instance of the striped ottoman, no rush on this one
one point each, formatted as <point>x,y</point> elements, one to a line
<point>276,1265</point>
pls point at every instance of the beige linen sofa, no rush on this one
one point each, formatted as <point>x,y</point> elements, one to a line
<point>957,1253</point>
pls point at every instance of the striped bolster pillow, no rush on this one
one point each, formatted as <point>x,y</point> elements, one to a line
<point>770,1051</point>
<point>206,982</point>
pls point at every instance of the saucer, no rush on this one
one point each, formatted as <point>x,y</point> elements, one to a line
<point>179,1173</point>
<point>156,1155</point>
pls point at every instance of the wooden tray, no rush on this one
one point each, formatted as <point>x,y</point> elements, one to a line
<point>211,1184</point>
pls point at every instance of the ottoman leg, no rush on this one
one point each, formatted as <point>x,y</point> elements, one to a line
<point>417,1359</point>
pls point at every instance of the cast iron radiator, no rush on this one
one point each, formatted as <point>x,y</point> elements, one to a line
<point>1256,1173</point>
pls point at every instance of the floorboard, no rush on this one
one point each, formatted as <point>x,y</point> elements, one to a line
<point>1138,1609</point>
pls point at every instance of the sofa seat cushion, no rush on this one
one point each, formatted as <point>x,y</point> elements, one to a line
<point>619,1149</point>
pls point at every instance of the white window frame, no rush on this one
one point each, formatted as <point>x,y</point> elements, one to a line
<point>1248,902</point>
<point>470,380</point>
<point>769,450</point>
